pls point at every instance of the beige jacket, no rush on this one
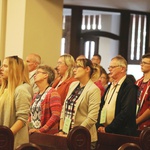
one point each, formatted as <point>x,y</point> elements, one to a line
<point>87,107</point>
<point>22,98</point>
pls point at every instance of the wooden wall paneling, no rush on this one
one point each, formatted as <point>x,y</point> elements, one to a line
<point>67,34</point>
<point>147,45</point>
<point>76,21</point>
<point>124,33</point>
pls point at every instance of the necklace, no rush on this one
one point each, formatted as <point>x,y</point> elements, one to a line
<point>40,95</point>
<point>111,94</point>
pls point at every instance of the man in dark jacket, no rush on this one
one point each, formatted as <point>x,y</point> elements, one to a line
<point>118,106</point>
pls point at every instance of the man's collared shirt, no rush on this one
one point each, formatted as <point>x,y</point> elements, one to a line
<point>110,100</point>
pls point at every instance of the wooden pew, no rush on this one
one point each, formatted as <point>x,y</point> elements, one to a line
<point>77,139</point>
<point>28,146</point>
<point>49,142</point>
<point>145,139</point>
<point>128,146</point>
<point>108,141</point>
<point>6,138</point>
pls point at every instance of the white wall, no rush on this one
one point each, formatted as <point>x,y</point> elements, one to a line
<point>108,48</point>
<point>32,26</point>
<point>3,6</point>
<point>135,70</point>
<point>15,27</point>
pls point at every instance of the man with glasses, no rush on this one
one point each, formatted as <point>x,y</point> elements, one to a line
<point>143,104</point>
<point>118,106</point>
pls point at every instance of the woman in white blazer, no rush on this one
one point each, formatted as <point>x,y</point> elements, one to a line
<point>81,105</point>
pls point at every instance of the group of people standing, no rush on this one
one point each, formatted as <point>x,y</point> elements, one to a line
<point>33,99</point>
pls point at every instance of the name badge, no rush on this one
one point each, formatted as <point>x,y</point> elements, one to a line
<point>103,116</point>
<point>66,126</point>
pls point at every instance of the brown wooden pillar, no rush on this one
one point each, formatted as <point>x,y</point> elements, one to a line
<point>147,45</point>
<point>124,33</point>
<point>76,21</point>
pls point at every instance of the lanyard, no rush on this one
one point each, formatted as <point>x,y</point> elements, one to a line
<point>143,94</point>
<point>111,94</point>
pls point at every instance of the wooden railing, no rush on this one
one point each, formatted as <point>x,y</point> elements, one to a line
<point>78,136</point>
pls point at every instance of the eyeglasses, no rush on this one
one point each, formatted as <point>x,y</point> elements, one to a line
<point>40,72</point>
<point>112,67</point>
<point>144,63</point>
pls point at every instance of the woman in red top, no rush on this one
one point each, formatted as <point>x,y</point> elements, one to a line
<point>65,66</point>
<point>46,105</point>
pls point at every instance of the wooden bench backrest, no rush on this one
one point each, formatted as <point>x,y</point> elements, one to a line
<point>49,142</point>
<point>28,146</point>
<point>129,146</point>
<point>145,139</point>
<point>107,141</point>
<point>77,139</point>
<point>6,138</point>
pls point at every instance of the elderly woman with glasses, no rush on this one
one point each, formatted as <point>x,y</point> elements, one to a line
<point>81,105</point>
<point>15,97</point>
<point>46,105</point>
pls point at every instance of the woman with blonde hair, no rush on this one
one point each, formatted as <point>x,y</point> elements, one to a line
<point>96,77</point>
<point>65,66</point>
<point>81,105</point>
<point>15,97</point>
